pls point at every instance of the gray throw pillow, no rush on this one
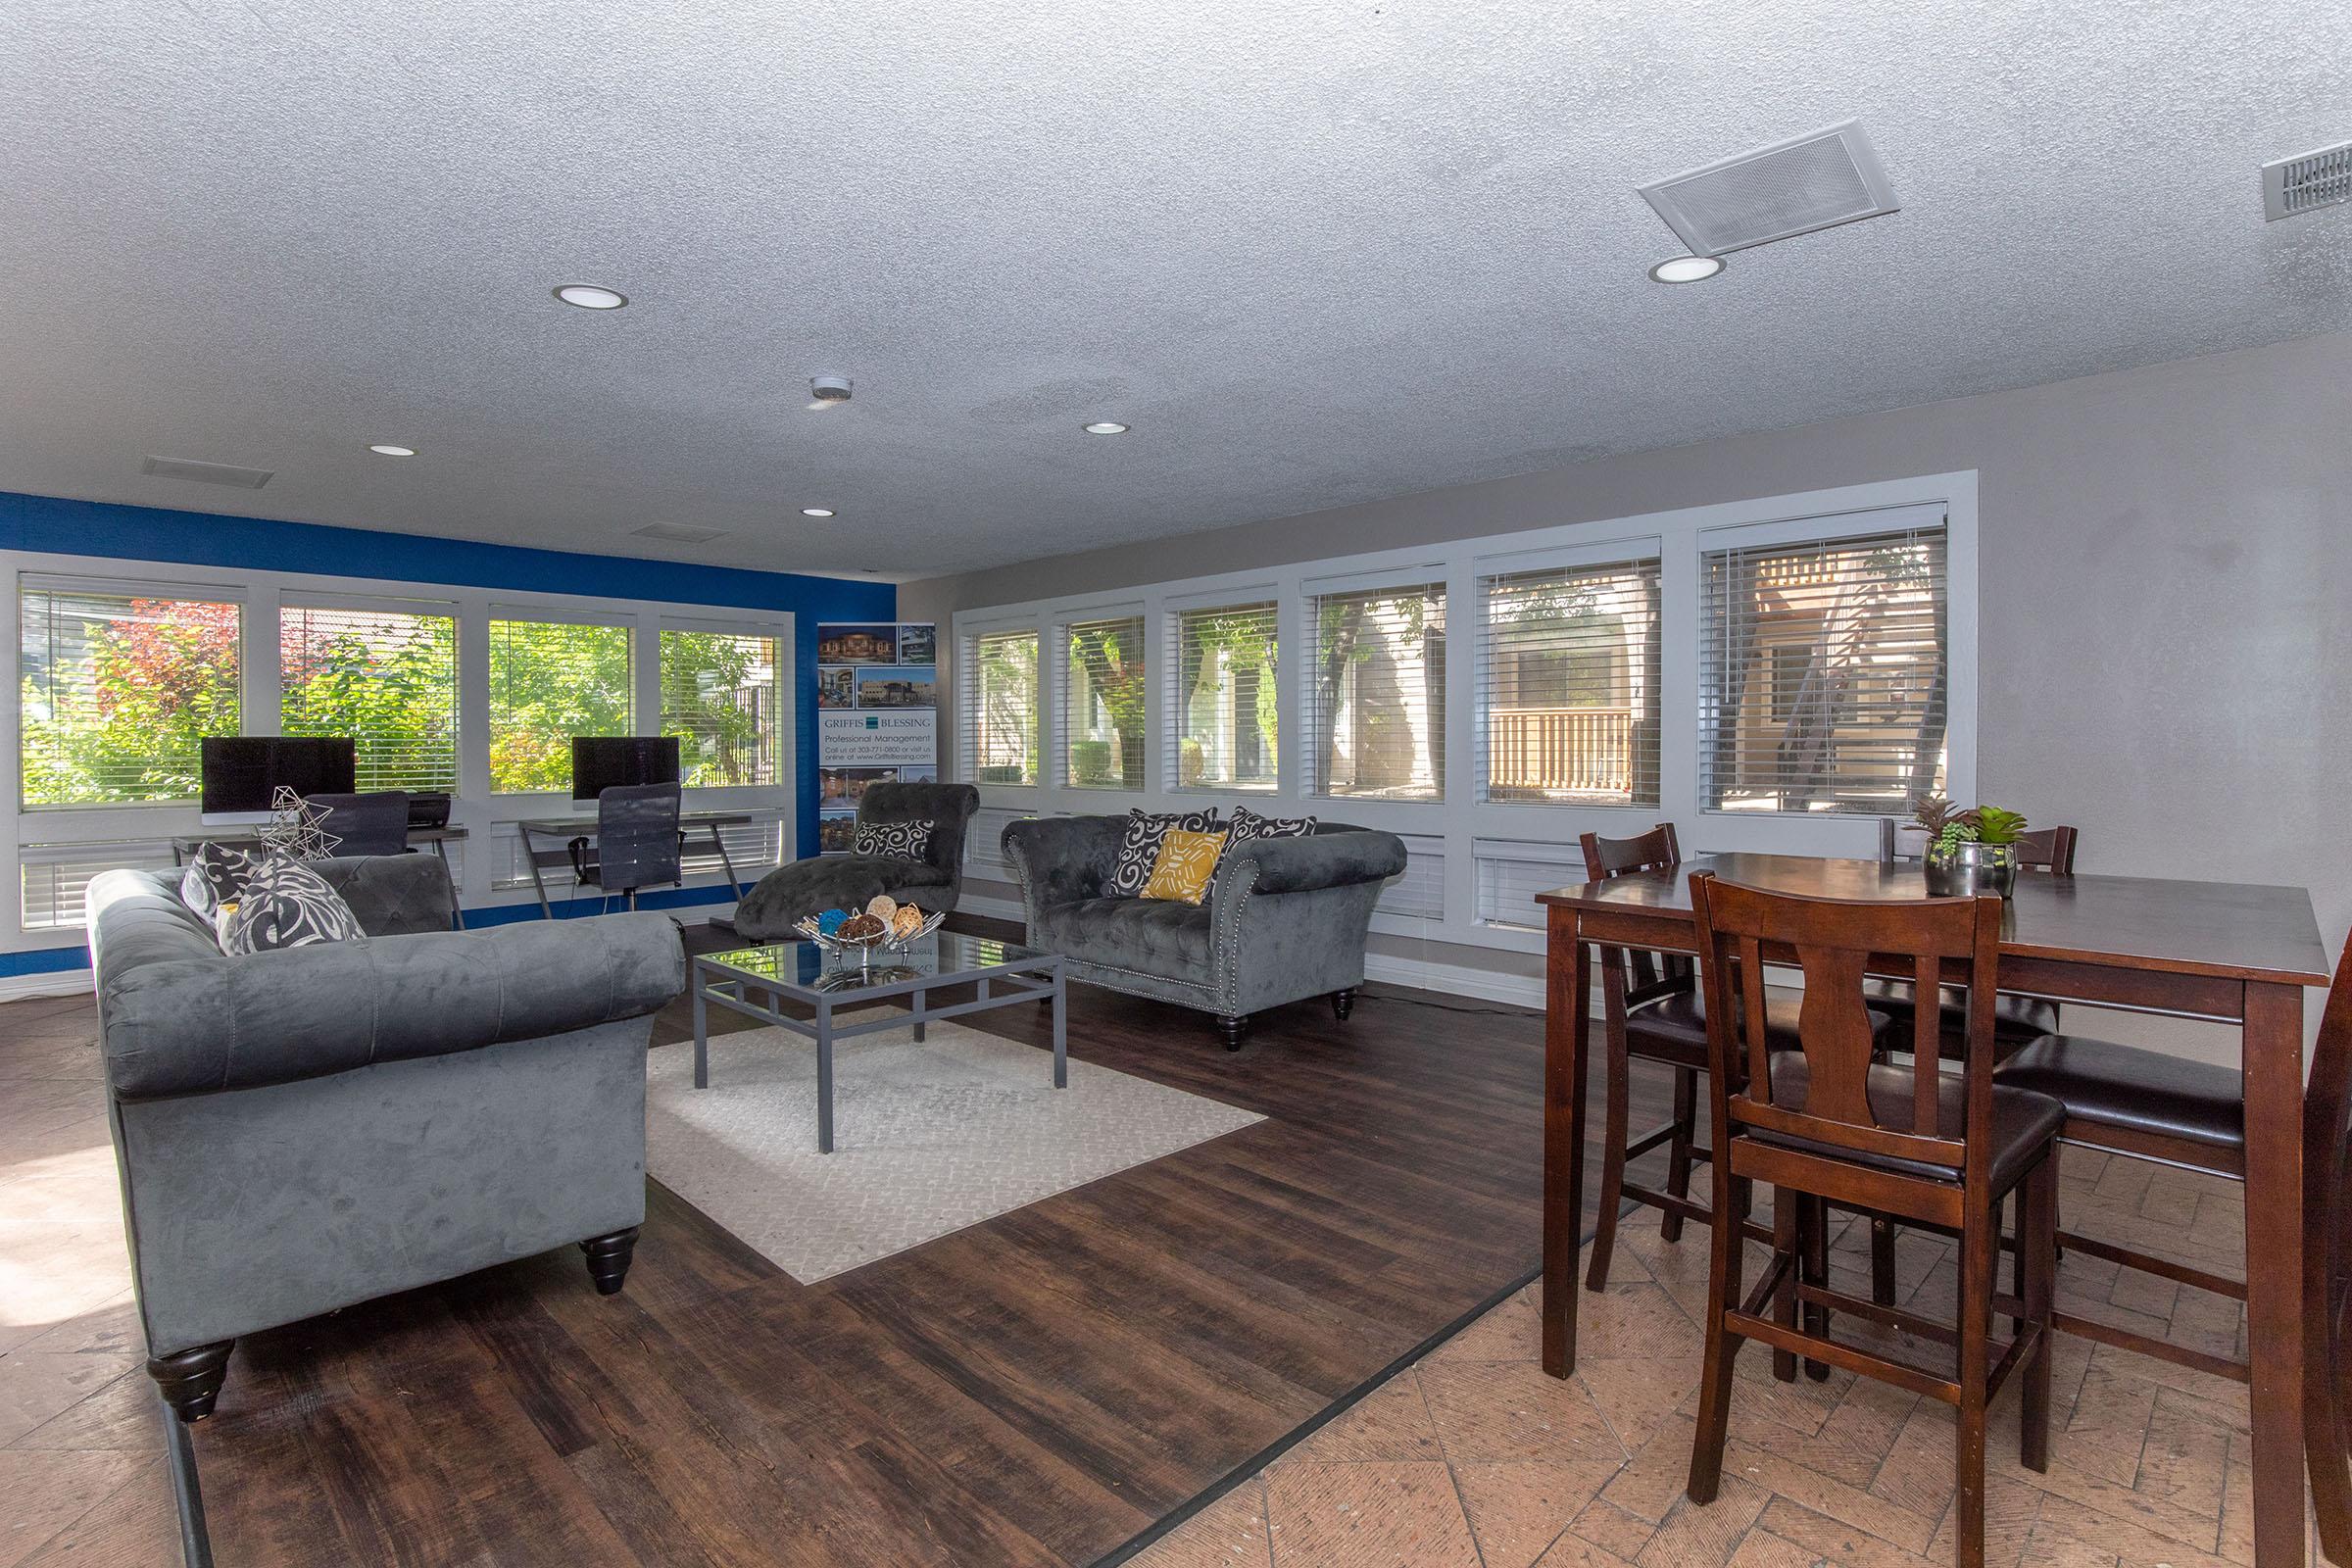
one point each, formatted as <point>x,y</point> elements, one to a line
<point>286,905</point>
<point>910,840</point>
<point>217,874</point>
<point>1138,850</point>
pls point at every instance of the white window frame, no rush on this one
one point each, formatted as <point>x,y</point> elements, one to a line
<point>1459,818</point>
<point>488,818</point>
<point>1172,610</point>
<point>1052,721</point>
<point>963,630</point>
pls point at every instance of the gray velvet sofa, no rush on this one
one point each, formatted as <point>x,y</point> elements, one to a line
<point>1285,919</point>
<point>933,882</point>
<point>301,1130</point>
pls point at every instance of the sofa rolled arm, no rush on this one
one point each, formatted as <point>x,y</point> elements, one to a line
<point>201,1025</point>
<point>1326,859</point>
<point>1062,859</point>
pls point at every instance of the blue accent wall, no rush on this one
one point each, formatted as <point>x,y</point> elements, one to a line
<point>49,525</point>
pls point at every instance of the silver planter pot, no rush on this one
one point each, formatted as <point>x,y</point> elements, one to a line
<point>1964,870</point>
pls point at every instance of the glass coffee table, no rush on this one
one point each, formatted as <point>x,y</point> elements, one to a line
<point>757,981</point>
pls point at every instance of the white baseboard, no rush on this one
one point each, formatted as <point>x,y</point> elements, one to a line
<point>1424,974</point>
<point>57,983</point>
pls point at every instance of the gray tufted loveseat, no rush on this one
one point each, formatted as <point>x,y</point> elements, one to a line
<point>300,1130</point>
<point>819,883</point>
<point>1285,918</point>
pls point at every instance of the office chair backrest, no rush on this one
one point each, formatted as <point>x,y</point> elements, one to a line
<point>637,837</point>
<point>373,823</point>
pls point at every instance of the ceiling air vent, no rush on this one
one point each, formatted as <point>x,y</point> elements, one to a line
<point>678,533</point>
<point>206,473</point>
<point>2294,185</point>
<point>1793,187</point>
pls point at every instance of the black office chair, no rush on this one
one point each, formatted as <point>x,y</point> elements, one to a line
<point>637,842</point>
<point>373,823</point>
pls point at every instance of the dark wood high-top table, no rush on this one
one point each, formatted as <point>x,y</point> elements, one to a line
<point>2195,949</point>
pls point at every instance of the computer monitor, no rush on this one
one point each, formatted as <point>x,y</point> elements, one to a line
<point>599,762</point>
<point>242,773</point>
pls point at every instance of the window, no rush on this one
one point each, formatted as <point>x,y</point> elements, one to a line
<point>1102,704</point>
<point>1375,698</point>
<point>1000,706</point>
<point>116,691</point>
<point>1569,675</point>
<point>1222,709</point>
<point>387,678</point>
<point>1823,672</point>
<point>723,696</point>
<point>549,681</point>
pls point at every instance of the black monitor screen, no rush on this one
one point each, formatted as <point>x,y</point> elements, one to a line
<point>241,772</point>
<point>599,762</point>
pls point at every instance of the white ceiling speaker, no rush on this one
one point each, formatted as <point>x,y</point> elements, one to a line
<point>824,391</point>
<point>1791,187</point>
<point>2293,185</point>
<point>207,472</point>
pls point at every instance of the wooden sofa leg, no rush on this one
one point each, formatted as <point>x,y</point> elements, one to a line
<point>190,1380</point>
<point>1231,1026</point>
<point>1342,1002</point>
<point>608,1260</point>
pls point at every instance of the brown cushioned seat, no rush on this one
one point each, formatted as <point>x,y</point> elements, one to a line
<point>2023,1122</point>
<point>2135,1089</point>
<point>1674,1029</point>
<point>2016,1019</point>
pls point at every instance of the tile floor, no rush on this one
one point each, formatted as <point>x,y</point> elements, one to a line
<point>1473,1458</point>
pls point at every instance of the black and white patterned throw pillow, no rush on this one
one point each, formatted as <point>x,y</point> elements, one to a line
<point>287,905</point>
<point>1249,826</point>
<point>908,840</point>
<point>217,874</point>
<point>1138,850</point>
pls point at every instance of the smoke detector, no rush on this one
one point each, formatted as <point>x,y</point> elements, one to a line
<point>1814,181</point>
<point>2294,185</point>
<point>824,391</point>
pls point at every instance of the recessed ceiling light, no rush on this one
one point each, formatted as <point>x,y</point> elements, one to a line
<point>387,450</point>
<point>1686,270</point>
<point>1106,427</point>
<point>589,297</point>
<point>817,511</point>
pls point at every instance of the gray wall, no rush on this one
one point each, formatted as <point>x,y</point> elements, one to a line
<point>2166,575</point>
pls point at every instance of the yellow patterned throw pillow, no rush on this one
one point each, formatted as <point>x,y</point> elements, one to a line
<point>1187,864</point>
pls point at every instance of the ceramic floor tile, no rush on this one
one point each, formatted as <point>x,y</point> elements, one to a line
<point>1370,1515</point>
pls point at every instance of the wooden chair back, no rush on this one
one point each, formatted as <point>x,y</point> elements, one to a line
<point>2328,1269</point>
<point>1647,974</point>
<point>1833,940</point>
<point>2048,849</point>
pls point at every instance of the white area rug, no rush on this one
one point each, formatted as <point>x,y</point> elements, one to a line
<point>927,1138</point>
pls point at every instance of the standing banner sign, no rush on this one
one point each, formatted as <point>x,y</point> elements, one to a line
<point>877,716</point>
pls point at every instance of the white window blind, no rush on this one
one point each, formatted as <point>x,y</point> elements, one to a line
<point>387,678</point>
<point>550,681</point>
<point>1375,714</point>
<point>1568,672</point>
<point>1220,713</point>
<point>56,877</point>
<point>996,695</point>
<point>1103,697</point>
<point>1509,875</point>
<point>1824,673</point>
<point>722,697</point>
<point>117,690</point>
<point>1420,893</point>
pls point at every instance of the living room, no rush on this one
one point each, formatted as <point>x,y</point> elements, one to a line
<point>990,786</point>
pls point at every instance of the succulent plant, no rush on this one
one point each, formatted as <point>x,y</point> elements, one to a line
<point>1996,826</point>
<point>1931,812</point>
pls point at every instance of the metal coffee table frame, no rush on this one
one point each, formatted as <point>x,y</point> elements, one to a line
<point>1032,976</point>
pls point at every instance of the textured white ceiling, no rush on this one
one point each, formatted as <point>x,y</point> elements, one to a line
<point>1314,252</point>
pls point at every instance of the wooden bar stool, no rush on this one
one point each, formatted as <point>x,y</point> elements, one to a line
<point>1652,1011</point>
<point>2327,1270</point>
<point>1831,1124</point>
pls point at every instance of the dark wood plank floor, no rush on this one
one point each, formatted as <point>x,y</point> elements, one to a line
<point>1038,1389</point>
